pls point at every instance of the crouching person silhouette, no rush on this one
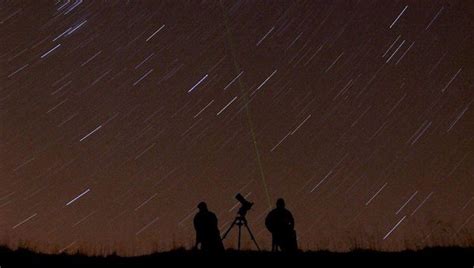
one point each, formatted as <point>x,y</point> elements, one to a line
<point>207,232</point>
<point>281,224</point>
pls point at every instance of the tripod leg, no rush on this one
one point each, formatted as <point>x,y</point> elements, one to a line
<point>251,235</point>
<point>228,230</point>
<point>240,232</point>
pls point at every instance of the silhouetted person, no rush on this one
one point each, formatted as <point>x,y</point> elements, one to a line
<point>207,231</point>
<point>281,224</point>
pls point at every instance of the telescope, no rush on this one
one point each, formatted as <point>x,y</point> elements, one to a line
<point>245,205</point>
<point>240,220</point>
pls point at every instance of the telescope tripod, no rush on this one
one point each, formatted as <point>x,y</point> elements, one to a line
<point>241,221</point>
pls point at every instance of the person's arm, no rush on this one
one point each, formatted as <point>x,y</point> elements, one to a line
<point>269,222</point>
<point>292,220</point>
<point>198,239</point>
<point>214,220</point>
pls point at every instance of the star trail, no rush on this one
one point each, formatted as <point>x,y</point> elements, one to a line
<point>119,117</point>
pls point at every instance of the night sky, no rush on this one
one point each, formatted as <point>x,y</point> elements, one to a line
<point>118,117</point>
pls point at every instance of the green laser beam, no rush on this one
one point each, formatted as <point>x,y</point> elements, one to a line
<point>245,96</point>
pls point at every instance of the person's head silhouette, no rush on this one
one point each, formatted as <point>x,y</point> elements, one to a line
<point>280,203</point>
<point>202,206</point>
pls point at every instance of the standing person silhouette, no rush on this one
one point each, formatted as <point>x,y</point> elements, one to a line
<point>207,231</point>
<point>281,224</point>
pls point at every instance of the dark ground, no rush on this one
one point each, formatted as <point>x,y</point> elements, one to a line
<point>429,257</point>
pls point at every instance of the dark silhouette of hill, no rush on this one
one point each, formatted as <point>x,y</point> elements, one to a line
<point>428,257</point>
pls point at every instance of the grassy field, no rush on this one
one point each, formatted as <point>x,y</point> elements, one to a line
<point>429,257</point>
